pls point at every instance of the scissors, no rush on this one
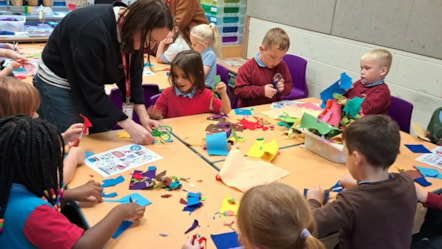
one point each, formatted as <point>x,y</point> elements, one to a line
<point>276,79</point>
<point>162,133</point>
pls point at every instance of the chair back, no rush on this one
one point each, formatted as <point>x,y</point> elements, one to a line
<point>154,98</point>
<point>148,91</point>
<point>401,111</point>
<point>297,67</point>
<point>223,72</point>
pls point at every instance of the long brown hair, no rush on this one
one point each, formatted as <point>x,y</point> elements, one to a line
<point>144,16</point>
<point>191,63</point>
<point>273,216</point>
<point>17,97</point>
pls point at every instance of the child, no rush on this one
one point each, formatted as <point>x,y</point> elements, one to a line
<point>375,65</point>
<point>30,181</point>
<point>379,211</point>
<point>434,128</point>
<point>171,46</point>
<point>205,40</point>
<point>273,216</point>
<point>19,97</point>
<point>188,94</point>
<point>265,78</point>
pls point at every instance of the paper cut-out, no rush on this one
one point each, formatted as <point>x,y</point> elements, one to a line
<point>135,197</point>
<point>112,181</point>
<point>265,151</point>
<point>339,87</point>
<point>242,173</point>
<point>245,112</point>
<point>193,201</point>
<point>427,172</point>
<point>417,148</point>
<point>217,144</point>
<point>142,180</point>
<point>123,226</point>
<point>229,207</point>
<point>194,225</point>
<point>353,107</point>
<point>226,240</point>
<point>310,122</point>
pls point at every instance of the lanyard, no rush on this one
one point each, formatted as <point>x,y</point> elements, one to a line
<point>125,61</point>
<point>126,70</point>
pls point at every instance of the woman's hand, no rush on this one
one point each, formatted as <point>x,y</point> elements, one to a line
<point>89,192</point>
<point>139,134</point>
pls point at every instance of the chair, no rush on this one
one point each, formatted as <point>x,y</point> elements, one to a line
<point>223,72</point>
<point>297,67</point>
<point>400,111</point>
<point>148,91</point>
<point>154,98</point>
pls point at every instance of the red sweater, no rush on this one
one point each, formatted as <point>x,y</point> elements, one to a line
<point>434,201</point>
<point>172,105</point>
<point>376,98</point>
<point>250,81</point>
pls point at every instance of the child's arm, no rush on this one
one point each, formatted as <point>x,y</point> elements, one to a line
<point>161,48</point>
<point>90,192</point>
<point>347,181</point>
<point>74,158</point>
<point>317,194</point>
<point>429,199</point>
<point>72,133</point>
<point>98,235</point>
<point>8,69</point>
<point>221,89</point>
<point>191,243</point>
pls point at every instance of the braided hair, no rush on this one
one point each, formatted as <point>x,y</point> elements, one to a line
<point>31,154</point>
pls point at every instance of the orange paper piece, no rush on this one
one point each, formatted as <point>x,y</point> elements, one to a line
<point>242,173</point>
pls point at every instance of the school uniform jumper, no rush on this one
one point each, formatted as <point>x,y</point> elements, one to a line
<point>251,78</point>
<point>376,98</point>
<point>173,105</point>
<point>31,222</point>
<point>84,49</point>
<point>372,215</point>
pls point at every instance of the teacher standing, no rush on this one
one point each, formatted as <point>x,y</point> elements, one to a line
<point>97,45</point>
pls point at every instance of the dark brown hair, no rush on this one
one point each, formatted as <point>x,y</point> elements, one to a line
<point>144,16</point>
<point>191,63</point>
<point>376,136</point>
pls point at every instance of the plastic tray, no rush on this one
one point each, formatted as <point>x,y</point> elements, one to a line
<point>325,148</point>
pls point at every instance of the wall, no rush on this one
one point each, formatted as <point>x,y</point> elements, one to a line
<point>413,77</point>
<point>410,25</point>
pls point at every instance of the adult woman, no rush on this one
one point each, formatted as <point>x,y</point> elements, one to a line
<point>98,45</point>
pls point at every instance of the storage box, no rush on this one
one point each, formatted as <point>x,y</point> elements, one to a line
<point>229,29</point>
<point>226,19</point>
<point>223,2</point>
<point>231,39</point>
<point>325,148</point>
<point>224,10</point>
<point>12,23</point>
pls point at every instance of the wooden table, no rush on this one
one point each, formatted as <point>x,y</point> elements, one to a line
<point>192,130</point>
<point>164,215</point>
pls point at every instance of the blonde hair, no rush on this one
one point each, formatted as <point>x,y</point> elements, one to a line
<point>208,33</point>
<point>276,37</point>
<point>17,97</point>
<point>274,216</point>
<point>383,56</point>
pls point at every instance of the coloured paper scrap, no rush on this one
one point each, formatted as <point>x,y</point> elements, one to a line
<point>427,172</point>
<point>226,240</point>
<point>246,112</point>
<point>242,173</point>
<point>417,148</point>
<point>217,144</point>
<point>123,226</point>
<point>308,121</point>
<point>135,197</point>
<point>120,159</point>
<point>229,205</point>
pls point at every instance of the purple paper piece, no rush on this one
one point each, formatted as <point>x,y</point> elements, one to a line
<point>112,181</point>
<point>191,228</point>
<point>146,181</point>
<point>192,208</point>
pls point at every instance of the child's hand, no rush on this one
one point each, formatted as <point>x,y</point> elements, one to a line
<point>15,65</point>
<point>72,133</point>
<point>131,211</point>
<point>77,153</point>
<point>269,91</point>
<point>280,85</point>
<point>421,193</point>
<point>89,192</point>
<point>154,113</point>
<point>221,88</point>
<point>191,244</point>
<point>316,193</point>
<point>347,181</point>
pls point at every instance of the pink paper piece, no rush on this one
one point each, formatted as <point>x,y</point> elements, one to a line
<point>309,105</point>
<point>242,173</point>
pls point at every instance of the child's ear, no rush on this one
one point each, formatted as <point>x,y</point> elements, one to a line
<point>384,71</point>
<point>357,157</point>
<point>261,48</point>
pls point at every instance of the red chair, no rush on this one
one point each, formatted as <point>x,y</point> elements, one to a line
<point>297,67</point>
<point>148,90</point>
<point>401,111</point>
